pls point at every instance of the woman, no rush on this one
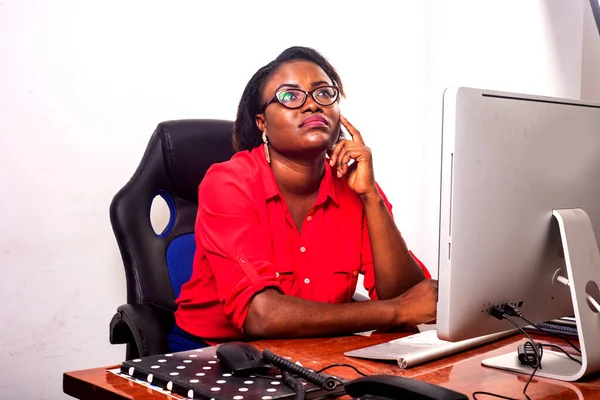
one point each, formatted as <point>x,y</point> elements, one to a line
<point>283,231</point>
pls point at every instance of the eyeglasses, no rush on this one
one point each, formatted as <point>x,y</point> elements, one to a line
<point>295,98</point>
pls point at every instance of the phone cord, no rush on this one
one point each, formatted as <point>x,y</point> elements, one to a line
<point>295,385</point>
<point>324,382</point>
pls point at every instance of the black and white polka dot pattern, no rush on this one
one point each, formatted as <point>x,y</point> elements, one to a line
<point>197,374</point>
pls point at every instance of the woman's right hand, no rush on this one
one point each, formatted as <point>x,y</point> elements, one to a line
<point>418,305</point>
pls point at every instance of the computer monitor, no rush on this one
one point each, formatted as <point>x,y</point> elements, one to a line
<point>519,205</point>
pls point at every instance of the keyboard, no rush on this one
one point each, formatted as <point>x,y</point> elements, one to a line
<point>420,347</point>
<point>554,328</point>
<point>427,338</point>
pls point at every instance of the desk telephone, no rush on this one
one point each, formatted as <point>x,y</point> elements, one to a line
<point>374,387</point>
<point>244,359</point>
<point>397,387</point>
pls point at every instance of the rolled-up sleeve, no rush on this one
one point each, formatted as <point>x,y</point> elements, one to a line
<point>236,244</point>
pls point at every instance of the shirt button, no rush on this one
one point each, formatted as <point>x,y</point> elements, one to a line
<point>355,273</point>
<point>307,281</point>
<point>309,218</point>
<point>276,274</point>
<point>302,249</point>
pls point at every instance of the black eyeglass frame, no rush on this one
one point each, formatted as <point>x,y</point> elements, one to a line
<point>306,94</point>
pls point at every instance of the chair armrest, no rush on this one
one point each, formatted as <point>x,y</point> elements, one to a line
<point>138,325</point>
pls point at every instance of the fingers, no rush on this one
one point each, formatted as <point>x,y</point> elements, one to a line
<point>347,150</point>
<point>345,156</point>
<point>434,285</point>
<point>337,156</point>
<point>356,136</point>
<point>333,156</point>
<point>343,153</point>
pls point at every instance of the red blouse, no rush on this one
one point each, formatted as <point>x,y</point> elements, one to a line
<point>246,241</point>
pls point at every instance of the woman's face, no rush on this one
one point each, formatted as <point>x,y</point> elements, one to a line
<point>302,132</point>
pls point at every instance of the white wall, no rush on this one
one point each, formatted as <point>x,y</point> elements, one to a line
<point>520,46</point>
<point>83,84</point>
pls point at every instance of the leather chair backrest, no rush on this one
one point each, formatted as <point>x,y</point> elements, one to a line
<point>177,156</point>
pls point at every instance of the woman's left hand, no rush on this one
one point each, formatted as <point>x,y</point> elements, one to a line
<point>359,175</point>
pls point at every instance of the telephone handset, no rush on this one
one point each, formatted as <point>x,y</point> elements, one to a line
<point>397,387</point>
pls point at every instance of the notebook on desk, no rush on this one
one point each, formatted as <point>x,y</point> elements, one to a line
<point>421,347</point>
<point>197,374</point>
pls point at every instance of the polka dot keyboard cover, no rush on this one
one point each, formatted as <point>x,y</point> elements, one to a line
<point>197,374</point>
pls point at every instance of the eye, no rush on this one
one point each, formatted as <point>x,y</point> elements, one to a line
<point>287,96</point>
<point>326,93</point>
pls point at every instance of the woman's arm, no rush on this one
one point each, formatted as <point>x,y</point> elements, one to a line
<point>394,268</point>
<point>274,315</point>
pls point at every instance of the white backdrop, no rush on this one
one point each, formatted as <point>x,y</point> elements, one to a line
<point>83,84</point>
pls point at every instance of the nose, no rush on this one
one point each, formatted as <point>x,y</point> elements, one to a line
<point>310,105</point>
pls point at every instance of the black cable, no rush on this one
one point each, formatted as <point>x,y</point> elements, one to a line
<point>268,377</point>
<point>529,381</point>
<point>513,311</point>
<point>340,365</point>
<point>503,313</point>
<point>325,382</point>
<point>493,395</point>
<point>553,346</point>
<point>271,378</point>
<point>551,334</point>
<point>295,385</point>
<point>536,347</point>
<point>506,397</point>
<point>537,351</point>
<point>530,377</point>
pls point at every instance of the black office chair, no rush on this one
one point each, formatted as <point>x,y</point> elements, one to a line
<point>157,264</point>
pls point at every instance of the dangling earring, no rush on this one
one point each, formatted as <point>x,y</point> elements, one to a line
<point>266,147</point>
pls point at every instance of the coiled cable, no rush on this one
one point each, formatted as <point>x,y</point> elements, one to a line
<point>324,382</point>
<point>295,385</point>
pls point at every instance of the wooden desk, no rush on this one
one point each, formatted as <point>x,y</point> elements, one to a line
<point>462,372</point>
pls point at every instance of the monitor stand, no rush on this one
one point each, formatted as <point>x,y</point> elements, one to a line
<point>582,261</point>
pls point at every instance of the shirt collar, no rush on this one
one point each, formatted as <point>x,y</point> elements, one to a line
<point>326,189</point>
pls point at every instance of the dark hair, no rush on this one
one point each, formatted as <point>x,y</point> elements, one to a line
<point>246,134</point>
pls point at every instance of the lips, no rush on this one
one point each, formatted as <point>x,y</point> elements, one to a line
<point>313,121</point>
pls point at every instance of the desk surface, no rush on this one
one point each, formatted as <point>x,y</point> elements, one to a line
<point>462,372</point>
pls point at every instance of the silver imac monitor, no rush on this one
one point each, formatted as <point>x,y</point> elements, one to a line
<point>519,206</point>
